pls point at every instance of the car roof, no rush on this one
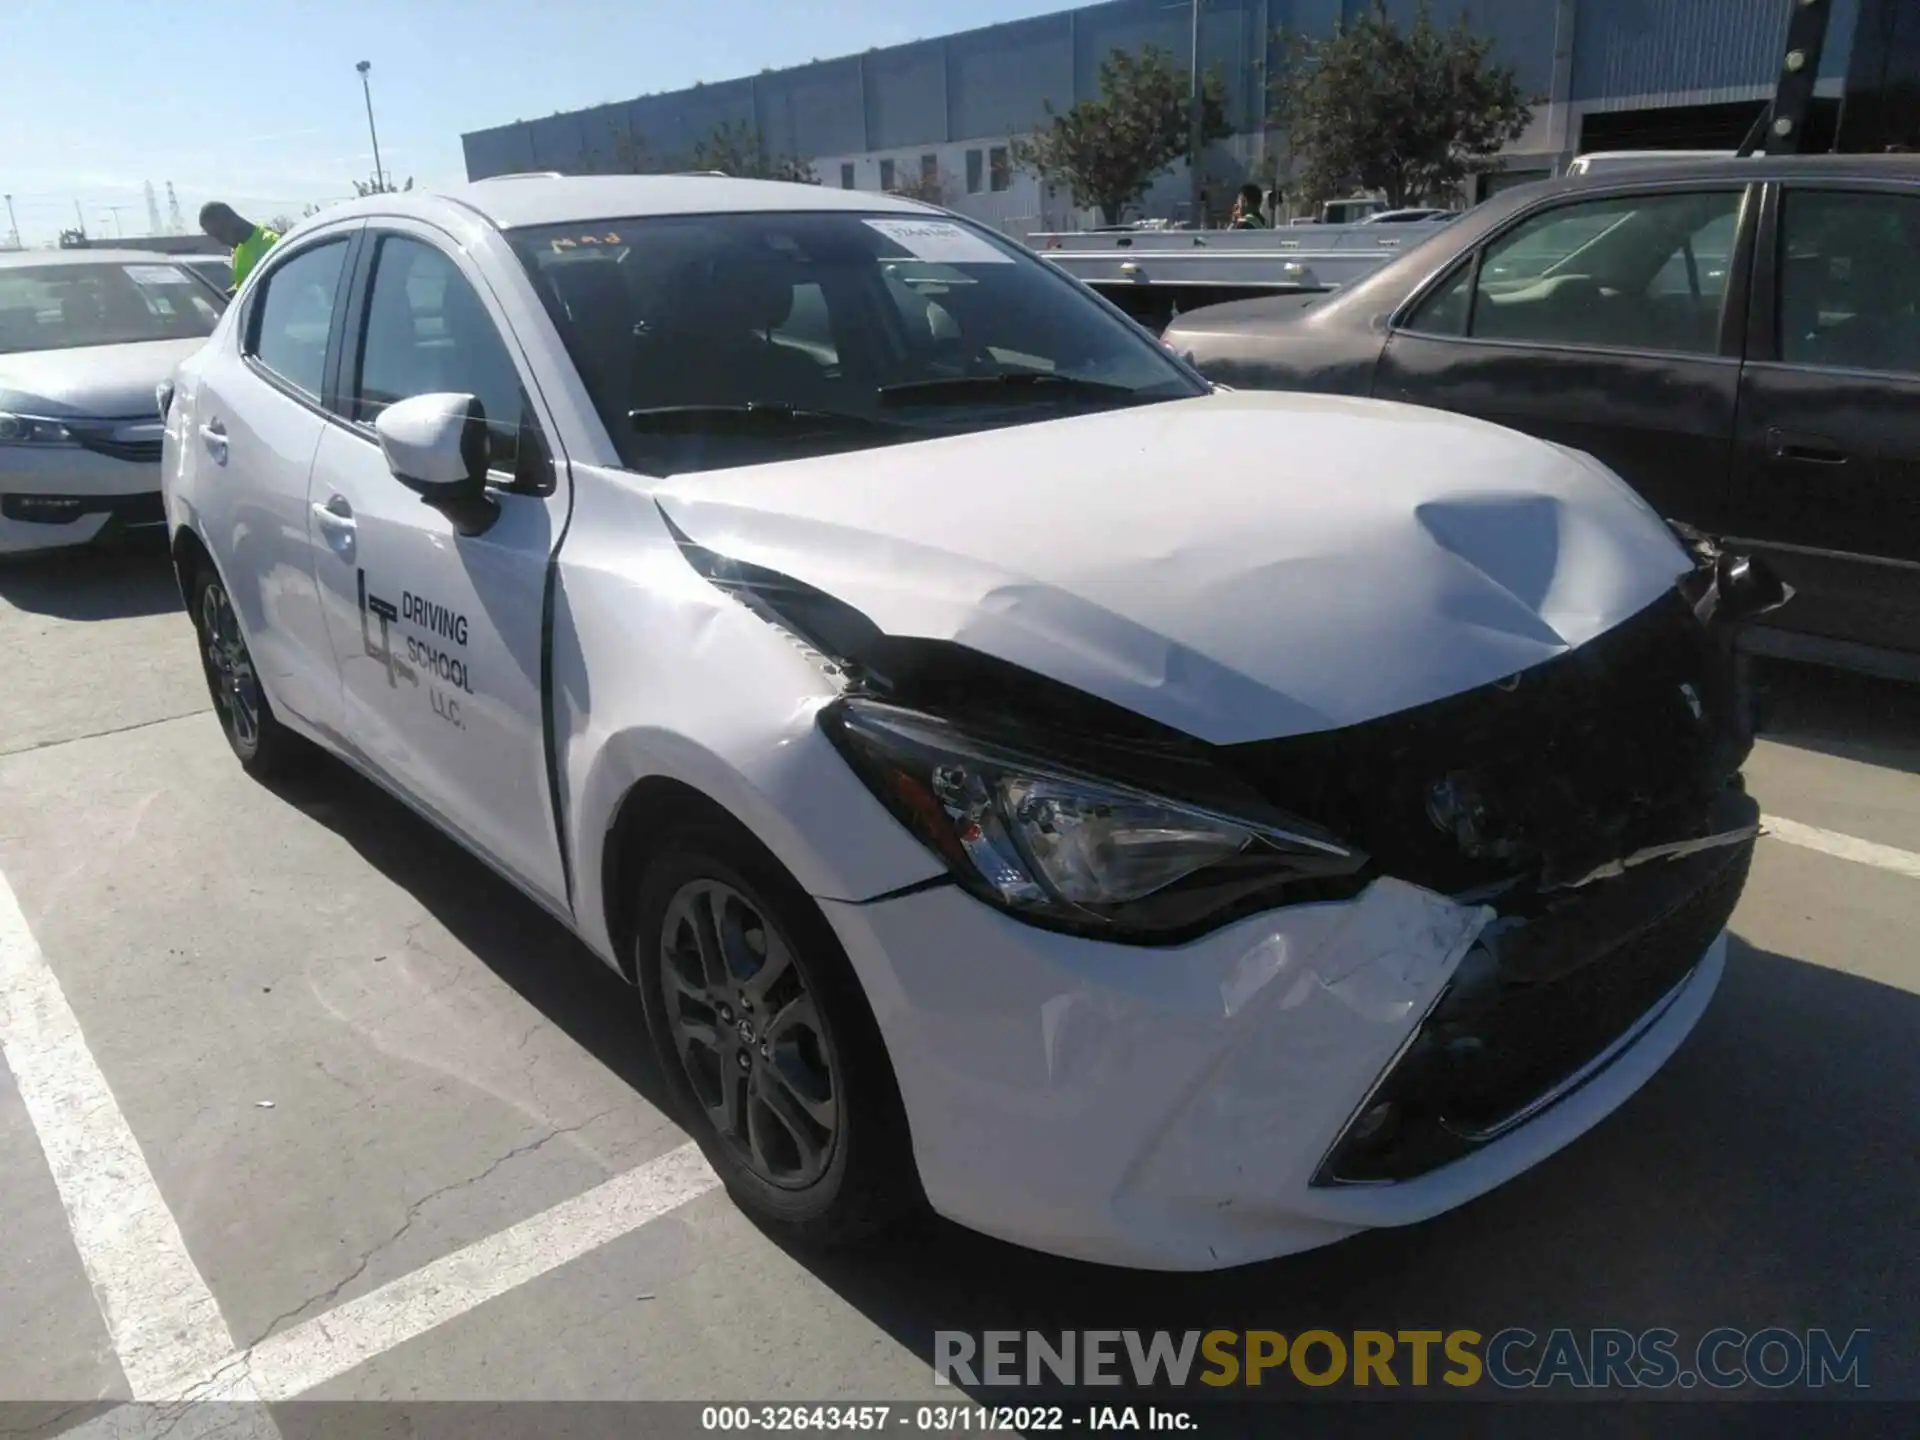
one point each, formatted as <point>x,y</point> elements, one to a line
<point>1736,167</point>
<point>21,259</point>
<point>511,201</point>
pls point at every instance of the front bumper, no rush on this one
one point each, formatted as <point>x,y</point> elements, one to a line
<point>1177,1108</point>
<point>70,495</point>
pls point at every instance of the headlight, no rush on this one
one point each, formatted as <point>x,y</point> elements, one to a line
<point>31,430</point>
<point>1065,848</point>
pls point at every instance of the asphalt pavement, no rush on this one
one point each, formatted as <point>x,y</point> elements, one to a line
<point>298,1080</point>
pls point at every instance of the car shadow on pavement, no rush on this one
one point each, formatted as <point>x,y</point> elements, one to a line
<point>124,579</point>
<point>1765,1177</point>
<point>1840,713</point>
<point>517,940</point>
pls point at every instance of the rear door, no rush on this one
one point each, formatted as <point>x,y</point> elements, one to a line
<point>1828,456</point>
<point>437,626</point>
<point>257,420</point>
<point>1602,323</point>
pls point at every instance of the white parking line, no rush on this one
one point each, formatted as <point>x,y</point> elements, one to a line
<point>315,1351</point>
<point>159,1312</point>
<point>1846,847</point>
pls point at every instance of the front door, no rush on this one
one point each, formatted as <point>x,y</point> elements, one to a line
<point>1828,454</point>
<point>1600,324</point>
<point>438,633</point>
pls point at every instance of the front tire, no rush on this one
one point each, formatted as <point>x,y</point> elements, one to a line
<point>767,1042</point>
<point>264,747</point>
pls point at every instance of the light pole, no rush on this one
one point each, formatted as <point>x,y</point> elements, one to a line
<point>1196,102</point>
<point>114,211</point>
<point>366,88</point>
<point>13,227</point>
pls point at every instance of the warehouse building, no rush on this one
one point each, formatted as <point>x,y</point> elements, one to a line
<point>941,115</point>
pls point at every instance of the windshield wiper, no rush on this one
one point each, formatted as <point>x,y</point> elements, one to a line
<point>1015,385</point>
<point>766,416</point>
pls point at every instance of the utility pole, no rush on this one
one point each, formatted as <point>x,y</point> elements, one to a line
<point>1777,129</point>
<point>1196,128</point>
<point>379,175</point>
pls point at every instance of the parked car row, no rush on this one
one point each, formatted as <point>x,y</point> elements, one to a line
<point>1739,339</point>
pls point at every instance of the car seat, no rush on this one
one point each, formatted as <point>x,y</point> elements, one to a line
<point>712,342</point>
<point>594,310</point>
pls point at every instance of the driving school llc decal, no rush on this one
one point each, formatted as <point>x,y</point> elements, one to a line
<point>438,649</point>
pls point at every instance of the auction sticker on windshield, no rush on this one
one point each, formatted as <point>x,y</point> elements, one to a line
<point>942,241</point>
<point>156,275</point>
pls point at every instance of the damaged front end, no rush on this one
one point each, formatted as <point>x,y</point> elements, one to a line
<point>1593,802</point>
<point>1596,804</point>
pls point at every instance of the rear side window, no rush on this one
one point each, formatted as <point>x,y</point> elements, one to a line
<point>1637,272</point>
<point>1850,281</point>
<point>294,314</point>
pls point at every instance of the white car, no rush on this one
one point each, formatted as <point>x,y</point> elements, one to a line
<point>85,336</point>
<point>1008,785</point>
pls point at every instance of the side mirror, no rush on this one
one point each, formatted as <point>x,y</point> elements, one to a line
<point>437,446</point>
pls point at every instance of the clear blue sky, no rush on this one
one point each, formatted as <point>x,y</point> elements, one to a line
<point>256,101</point>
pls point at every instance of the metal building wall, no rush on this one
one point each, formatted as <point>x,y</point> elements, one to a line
<point>1707,50</point>
<point>997,81</point>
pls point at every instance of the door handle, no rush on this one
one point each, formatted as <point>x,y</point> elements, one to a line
<point>335,519</point>
<point>1795,445</point>
<point>214,436</point>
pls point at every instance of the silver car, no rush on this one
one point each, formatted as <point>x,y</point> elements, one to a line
<point>86,339</point>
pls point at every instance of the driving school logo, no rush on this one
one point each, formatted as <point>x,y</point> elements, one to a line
<point>445,669</point>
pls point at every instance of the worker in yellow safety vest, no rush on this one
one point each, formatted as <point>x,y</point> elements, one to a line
<point>248,241</point>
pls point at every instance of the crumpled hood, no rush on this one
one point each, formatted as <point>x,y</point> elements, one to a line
<point>1239,566</point>
<point>109,381</point>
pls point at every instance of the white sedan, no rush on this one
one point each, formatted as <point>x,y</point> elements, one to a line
<point>85,336</point>
<point>1010,787</point>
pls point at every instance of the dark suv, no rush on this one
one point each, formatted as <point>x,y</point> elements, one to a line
<point>1738,338</point>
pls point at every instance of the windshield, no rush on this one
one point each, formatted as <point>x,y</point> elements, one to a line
<point>715,340</point>
<point>64,307</point>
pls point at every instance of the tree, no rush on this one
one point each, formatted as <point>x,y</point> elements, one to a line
<point>631,153</point>
<point>1411,114</point>
<point>1107,151</point>
<point>740,150</point>
<point>917,185</point>
<point>380,186</point>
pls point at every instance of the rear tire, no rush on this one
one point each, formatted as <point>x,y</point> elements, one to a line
<point>264,747</point>
<point>767,1042</point>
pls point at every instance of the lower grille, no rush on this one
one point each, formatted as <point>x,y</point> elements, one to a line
<point>101,442</point>
<point>1494,1047</point>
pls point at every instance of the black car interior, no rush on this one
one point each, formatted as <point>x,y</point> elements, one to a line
<point>1645,281</point>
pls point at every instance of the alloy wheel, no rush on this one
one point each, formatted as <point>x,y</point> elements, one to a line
<point>236,689</point>
<point>749,1034</point>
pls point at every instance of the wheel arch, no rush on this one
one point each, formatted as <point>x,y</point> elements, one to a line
<point>652,809</point>
<point>190,553</point>
<point>779,785</point>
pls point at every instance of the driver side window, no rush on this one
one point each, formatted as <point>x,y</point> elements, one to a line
<point>1637,272</point>
<point>426,332</point>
